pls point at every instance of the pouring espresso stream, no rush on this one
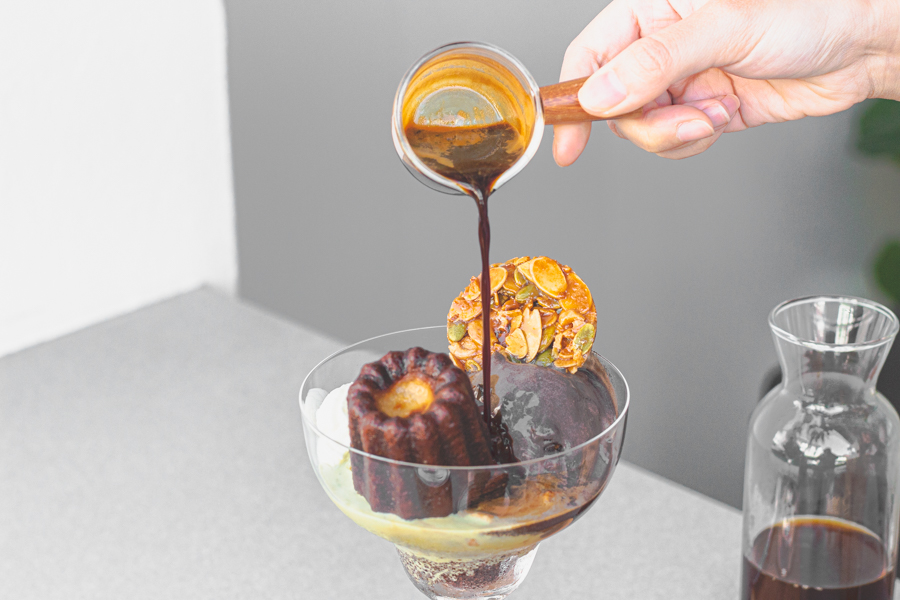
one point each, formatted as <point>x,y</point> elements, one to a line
<point>467,117</point>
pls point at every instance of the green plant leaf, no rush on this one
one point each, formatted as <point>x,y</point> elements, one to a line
<point>879,129</point>
<point>887,270</point>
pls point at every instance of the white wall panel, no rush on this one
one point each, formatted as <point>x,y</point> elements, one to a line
<point>115,177</point>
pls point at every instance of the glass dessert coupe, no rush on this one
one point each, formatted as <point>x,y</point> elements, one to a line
<point>495,516</point>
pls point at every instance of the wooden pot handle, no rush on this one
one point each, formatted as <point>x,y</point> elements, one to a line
<point>560,102</point>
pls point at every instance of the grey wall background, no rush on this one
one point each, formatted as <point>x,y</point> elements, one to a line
<point>685,258</point>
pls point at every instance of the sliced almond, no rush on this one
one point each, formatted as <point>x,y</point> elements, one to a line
<point>566,362</point>
<point>548,318</point>
<point>531,325</point>
<point>473,290</point>
<point>568,316</point>
<point>468,310</point>
<point>499,322</point>
<point>578,296</point>
<point>547,275</point>
<point>516,321</point>
<point>511,304</point>
<point>516,344</point>
<point>557,344</point>
<point>525,268</point>
<point>460,353</point>
<point>498,277</point>
<point>572,362</point>
<point>510,284</point>
<point>476,331</point>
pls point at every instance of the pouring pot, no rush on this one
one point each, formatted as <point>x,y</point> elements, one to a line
<point>471,84</point>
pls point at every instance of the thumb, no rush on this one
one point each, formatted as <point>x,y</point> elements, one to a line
<point>645,69</point>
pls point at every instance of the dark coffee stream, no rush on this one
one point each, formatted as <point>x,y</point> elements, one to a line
<point>476,156</point>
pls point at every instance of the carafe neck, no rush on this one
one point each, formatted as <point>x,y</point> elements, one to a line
<point>832,349</point>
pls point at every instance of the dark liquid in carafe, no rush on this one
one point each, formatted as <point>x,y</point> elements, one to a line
<point>478,156</point>
<point>811,558</point>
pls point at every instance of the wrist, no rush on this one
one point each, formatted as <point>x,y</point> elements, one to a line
<point>883,49</point>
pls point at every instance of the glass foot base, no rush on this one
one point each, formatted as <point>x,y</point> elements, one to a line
<point>490,578</point>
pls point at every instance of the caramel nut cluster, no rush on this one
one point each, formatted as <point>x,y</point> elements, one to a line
<point>541,312</point>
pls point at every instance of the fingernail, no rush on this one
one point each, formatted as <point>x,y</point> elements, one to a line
<point>602,93</point>
<point>717,114</point>
<point>612,127</point>
<point>732,104</point>
<point>555,150</point>
<point>691,131</point>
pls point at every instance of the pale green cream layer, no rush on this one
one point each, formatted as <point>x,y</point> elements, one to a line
<point>460,535</point>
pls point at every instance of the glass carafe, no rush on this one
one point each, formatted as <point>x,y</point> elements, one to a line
<point>822,477</point>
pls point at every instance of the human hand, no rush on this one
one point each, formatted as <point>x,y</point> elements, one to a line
<point>700,68</point>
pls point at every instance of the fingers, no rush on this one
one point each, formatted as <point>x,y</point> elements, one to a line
<point>680,130</point>
<point>605,36</point>
<point>650,65</point>
<point>569,141</point>
<point>615,27</point>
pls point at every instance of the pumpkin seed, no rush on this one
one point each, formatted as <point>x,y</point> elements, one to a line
<point>456,331</point>
<point>548,302</point>
<point>547,338</point>
<point>544,359</point>
<point>525,293</point>
<point>584,338</point>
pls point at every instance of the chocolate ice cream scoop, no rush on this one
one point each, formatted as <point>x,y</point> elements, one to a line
<point>545,411</point>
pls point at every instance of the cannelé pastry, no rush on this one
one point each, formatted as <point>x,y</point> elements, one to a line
<point>415,407</point>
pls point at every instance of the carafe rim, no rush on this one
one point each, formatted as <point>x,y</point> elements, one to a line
<point>820,346</point>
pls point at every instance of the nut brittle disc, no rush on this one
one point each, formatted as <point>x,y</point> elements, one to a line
<point>541,312</point>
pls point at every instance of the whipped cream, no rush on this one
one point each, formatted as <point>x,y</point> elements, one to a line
<point>333,420</point>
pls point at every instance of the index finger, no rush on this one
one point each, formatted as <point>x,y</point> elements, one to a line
<point>614,28</point>
<point>605,36</point>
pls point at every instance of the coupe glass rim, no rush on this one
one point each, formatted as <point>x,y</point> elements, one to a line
<point>612,426</point>
<point>830,347</point>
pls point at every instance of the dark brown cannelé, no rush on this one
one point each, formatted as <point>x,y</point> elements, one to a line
<point>416,407</point>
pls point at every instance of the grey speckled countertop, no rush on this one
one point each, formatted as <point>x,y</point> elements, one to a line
<point>160,455</point>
